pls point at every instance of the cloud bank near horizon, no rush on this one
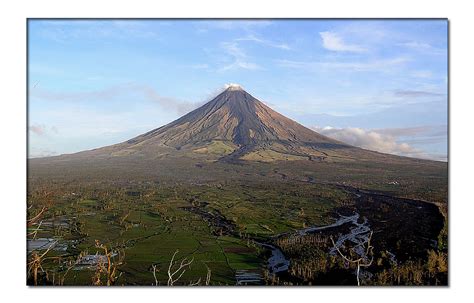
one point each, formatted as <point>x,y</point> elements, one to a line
<point>383,140</point>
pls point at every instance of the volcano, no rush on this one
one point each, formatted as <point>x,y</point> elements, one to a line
<point>231,127</point>
<point>234,127</point>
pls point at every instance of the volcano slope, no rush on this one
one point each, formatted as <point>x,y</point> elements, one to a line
<point>230,172</point>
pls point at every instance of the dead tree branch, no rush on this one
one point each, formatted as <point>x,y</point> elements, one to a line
<point>155,269</point>
<point>36,263</point>
<point>107,266</point>
<point>30,222</point>
<point>35,232</point>
<point>208,276</point>
<point>179,271</point>
<point>363,260</point>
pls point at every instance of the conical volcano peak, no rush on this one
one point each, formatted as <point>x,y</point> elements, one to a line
<point>233,124</point>
<point>233,87</point>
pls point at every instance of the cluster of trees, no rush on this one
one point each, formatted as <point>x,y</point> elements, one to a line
<point>311,263</point>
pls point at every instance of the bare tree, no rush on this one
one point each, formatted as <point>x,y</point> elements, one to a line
<point>36,263</point>
<point>155,269</point>
<point>70,266</point>
<point>36,259</point>
<point>208,275</point>
<point>363,260</point>
<point>175,275</point>
<point>30,222</point>
<point>107,266</point>
<point>34,233</point>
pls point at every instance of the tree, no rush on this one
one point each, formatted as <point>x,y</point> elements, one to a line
<point>175,271</point>
<point>364,260</point>
<point>175,275</point>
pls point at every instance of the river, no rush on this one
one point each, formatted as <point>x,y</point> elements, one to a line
<point>358,234</point>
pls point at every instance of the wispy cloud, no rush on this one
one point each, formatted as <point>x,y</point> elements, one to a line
<point>180,106</point>
<point>334,42</point>
<point>240,60</point>
<point>113,93</point>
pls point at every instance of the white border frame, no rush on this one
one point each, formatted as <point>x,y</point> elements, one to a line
<point>13,147</point>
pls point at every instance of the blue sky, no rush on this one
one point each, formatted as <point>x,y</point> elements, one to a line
<point>378,84</point>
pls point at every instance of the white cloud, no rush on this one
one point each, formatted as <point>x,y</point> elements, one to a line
<point>233,86</point>
<point>384,141</point>
<point>240,59</point>
<point>332,41</point>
